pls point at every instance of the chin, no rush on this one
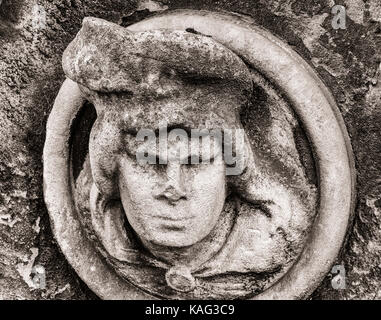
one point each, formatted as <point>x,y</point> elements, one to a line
<point>174,238</point>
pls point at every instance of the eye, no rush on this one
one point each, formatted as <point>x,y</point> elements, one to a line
<point>196,160</point>
<point>193,160</point>
<point>160,168</point>
<point>157,166</point>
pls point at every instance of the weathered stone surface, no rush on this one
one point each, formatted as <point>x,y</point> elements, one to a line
<point>188,221</point>
<point>33,37</point>
<point>32,42</point>
<point>149,218</point>
<point>106,57</point>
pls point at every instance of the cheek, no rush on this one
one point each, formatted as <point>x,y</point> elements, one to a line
<point>135,193</point>
<point>136,184</point>
<point>209,185</point>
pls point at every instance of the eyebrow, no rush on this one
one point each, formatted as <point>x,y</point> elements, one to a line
<point>133,131</point>
<point>188,158</point>
<point>173,127</point>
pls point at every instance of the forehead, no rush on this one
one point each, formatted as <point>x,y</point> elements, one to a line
<point>198,110</point>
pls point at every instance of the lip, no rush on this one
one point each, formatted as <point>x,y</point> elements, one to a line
<point>173,227</point>
<point>171,219</point>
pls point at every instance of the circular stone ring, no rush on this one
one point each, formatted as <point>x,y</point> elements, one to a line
<point>311,101</point>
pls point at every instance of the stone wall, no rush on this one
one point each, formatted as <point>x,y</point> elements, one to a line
<point>33,35</point>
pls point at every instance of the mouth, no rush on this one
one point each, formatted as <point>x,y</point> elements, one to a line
<point>168,223</point>
<point>173,219</point>
<point>172,227</point>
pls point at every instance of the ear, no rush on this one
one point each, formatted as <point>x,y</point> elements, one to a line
<point>247,163</point>
<point>104,152</point>
<point>108,224</point>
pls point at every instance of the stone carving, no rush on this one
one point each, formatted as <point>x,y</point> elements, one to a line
<point>177,221</point>
<point>174,228</point>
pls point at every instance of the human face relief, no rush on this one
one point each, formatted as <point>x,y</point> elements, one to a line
<point>176,203</point>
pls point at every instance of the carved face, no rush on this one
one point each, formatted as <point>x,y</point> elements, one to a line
<point>173,204</point>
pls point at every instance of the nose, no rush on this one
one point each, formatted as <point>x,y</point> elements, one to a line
<point>173,189</point>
